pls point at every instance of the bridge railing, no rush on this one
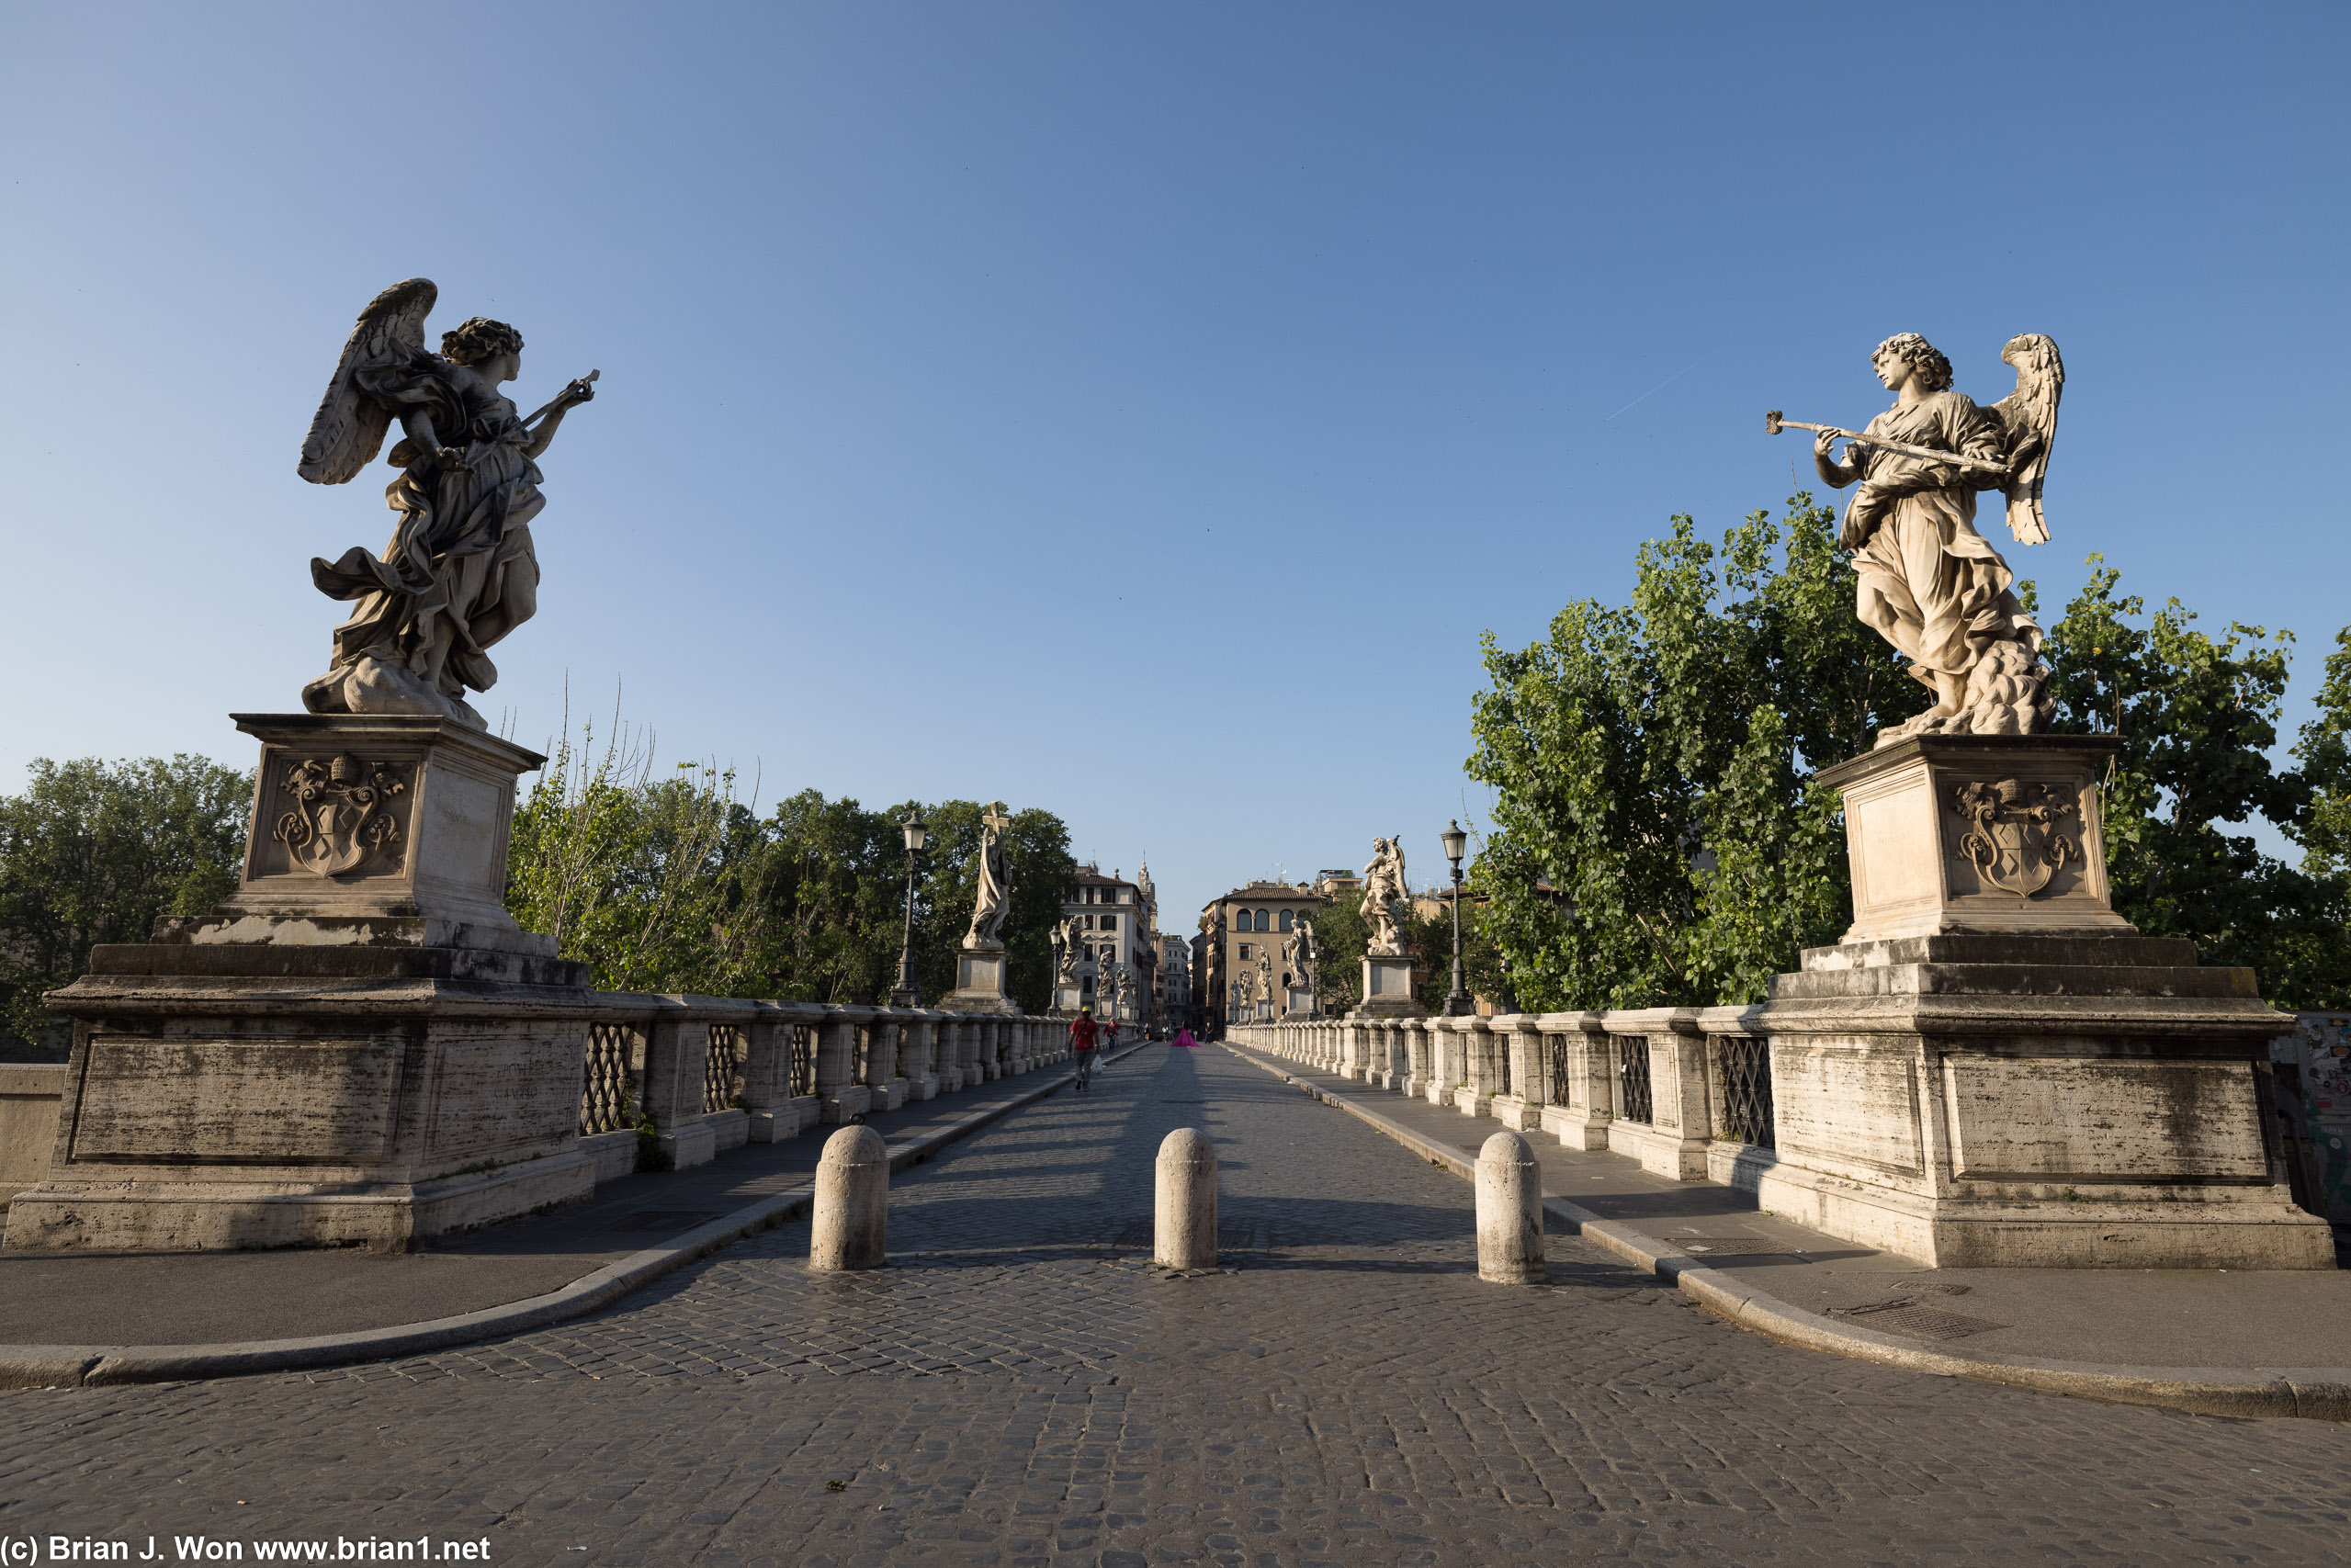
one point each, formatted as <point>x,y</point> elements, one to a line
<point>1685,1090</point>
<point>671,1080</point>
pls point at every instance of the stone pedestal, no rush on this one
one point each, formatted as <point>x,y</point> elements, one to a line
<point>1387,989</point>
<point>1994,1068</point>
<point>360,1048</point>
<point>979,979</point>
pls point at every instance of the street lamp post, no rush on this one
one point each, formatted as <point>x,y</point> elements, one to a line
<point>1457,1002</point>
<point>916,830</point>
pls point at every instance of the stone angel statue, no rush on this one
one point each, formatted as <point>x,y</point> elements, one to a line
<point>459,572</point>
<point>995,900</point>
<point>1383,891</point>
<point>1069,949</point>
<point>1930,584</point>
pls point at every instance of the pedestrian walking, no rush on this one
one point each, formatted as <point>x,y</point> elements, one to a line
<point>1084,1036</point>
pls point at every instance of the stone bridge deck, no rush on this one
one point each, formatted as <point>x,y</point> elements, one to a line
<point>1021,1387</point>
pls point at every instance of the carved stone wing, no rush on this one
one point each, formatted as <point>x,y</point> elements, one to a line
<point>348,430</point>
<point>2029,415</point>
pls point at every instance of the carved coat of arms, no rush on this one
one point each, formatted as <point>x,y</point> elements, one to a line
<point>2013,839</point>
<point>345,813</point>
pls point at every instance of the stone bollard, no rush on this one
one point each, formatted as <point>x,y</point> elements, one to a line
<point>1510,1211</point>
<point>852,1201</point>
<point>1185,1212</point>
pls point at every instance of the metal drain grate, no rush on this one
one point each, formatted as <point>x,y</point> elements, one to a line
<point>1921,1322</point>
<point>1940,1287</point>
<point>1728,1246</point>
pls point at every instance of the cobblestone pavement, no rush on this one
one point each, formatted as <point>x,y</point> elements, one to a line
<point>1021,1387</point>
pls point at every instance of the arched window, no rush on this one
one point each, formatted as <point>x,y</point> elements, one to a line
<point>1286,920</point>
<point>1263,923</point>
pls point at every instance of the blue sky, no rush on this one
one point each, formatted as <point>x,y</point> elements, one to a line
<point>1135,411</point>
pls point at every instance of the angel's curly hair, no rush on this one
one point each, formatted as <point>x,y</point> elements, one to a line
<point>480,339</point>
<point>1920,352</point>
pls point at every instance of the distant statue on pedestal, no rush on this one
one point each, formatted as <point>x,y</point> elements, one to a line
<point>460,572</point>
<point>1383,891</point>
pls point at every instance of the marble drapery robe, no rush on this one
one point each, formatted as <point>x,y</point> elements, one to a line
<point>1930,584</point>
<point>460,572</point>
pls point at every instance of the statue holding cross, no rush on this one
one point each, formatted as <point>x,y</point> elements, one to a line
<point>995,900</point>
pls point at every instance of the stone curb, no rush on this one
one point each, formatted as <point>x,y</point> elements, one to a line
<point>101,1366</point>
<point>2321,1393</point>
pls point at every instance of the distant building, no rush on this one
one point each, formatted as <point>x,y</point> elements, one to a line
<point>1175,982</point>
<point>1116,924</point>
<point>1244,931</point>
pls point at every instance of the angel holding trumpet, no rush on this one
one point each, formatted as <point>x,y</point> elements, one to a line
<point>1930,584</point>
<point>460,572</point>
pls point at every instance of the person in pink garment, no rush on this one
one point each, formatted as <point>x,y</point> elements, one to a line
<point>1184,1042</point>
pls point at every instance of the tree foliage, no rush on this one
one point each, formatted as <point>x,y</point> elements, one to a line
<point>1652,764</point>
<point>2197,718</point>
<point>672,883</point>
<point>94,853</point>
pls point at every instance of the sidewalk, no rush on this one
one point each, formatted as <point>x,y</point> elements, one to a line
<point>115,1318</point>
<point>2236,1344</point>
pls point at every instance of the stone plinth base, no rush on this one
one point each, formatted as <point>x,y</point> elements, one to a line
<point>778,1124</point>
<point>358,1049</point>
<point>835,1109</point>
<point>1577,1129</point>
<point>1387,989</point>
<point>1977,833</point>
<point>980,982</point>
<point>2028,1102</point>
<point>1515,1113</point>
<point>374,1092</point>
<point>1993,1069</point>
<point>1660,1152</point>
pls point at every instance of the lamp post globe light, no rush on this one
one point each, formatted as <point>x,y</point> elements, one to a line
<point>1457,1001</point>
<point>917,833</point>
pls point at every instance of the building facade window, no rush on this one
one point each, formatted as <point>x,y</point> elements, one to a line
<point>1286,920</point>
<point>1263,923</point>
<point>1245,953</point>
<point>1110,922</point>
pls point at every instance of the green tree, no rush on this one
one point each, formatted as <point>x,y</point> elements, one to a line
<point>1044,876</point>
<point>632,875</point>
<point>95,852</point>
<point>2197,718</point>
<point>1656,837</point>
<point>671,884</point>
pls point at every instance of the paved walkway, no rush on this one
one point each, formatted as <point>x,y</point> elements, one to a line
<point>1021,1387</point>
<point>208,1297</point>
<point>2134,1317</point>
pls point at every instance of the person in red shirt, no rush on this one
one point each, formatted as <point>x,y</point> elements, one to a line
<point>1084,1036</point>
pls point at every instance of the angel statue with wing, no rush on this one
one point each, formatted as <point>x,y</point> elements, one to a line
<point>1930,584</point>
<point>1384,889</point>
<point>459,572</point>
